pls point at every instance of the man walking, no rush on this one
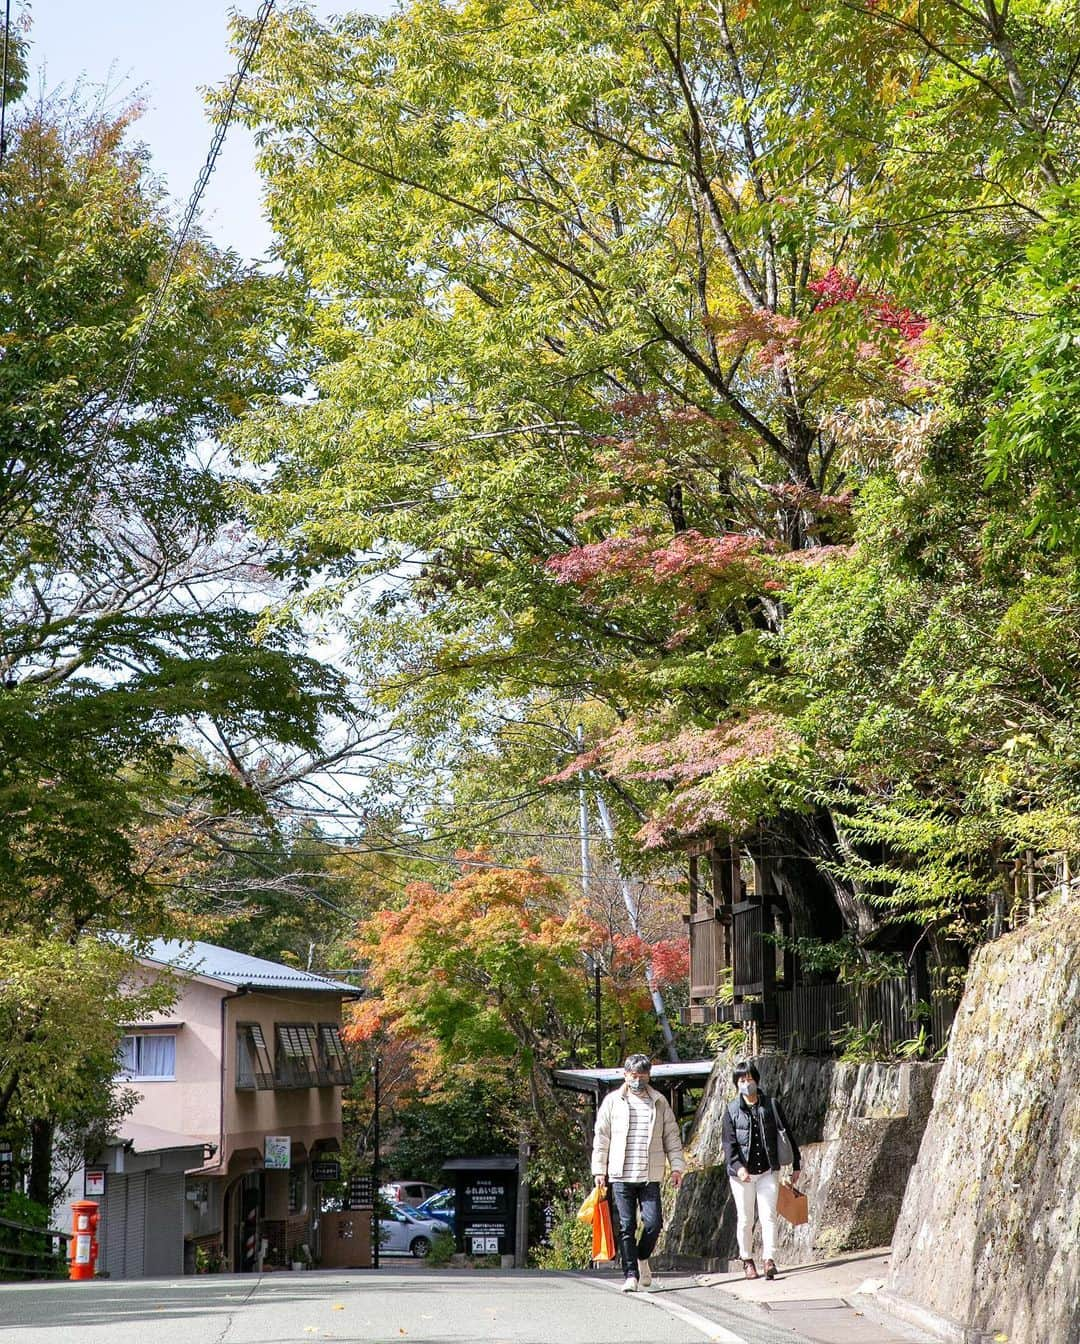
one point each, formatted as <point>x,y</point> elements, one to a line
<point>636,1132</point>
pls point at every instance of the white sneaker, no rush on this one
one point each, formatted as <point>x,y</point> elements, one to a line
<point>645,1273</point>
<point>629,1284</point>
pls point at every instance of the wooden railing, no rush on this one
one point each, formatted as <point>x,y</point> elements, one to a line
<point>812,1019</point>
<point>748,948</point>
<point>705,953</point>
<point>28,1252</point>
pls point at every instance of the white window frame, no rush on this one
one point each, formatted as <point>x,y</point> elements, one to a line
<point>135,1075</point>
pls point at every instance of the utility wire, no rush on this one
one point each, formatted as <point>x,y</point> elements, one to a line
<point>254,37</point>
<point>4,90</point>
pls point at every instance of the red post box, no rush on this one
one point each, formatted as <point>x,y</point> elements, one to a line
<point>84,1244</point>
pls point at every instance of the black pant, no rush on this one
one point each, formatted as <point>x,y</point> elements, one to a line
<point>630,1197</point>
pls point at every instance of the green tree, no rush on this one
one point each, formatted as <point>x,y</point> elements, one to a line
<point>129,592</point>
<point>61,1006</point>
<point>621,334</point>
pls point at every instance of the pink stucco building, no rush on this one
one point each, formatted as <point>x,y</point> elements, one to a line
<point>239,1092</point>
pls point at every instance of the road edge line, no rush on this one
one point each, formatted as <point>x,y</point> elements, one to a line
<point>715,1333</point>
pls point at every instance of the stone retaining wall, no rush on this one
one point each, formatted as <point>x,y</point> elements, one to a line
<point>989,1234</point>
<point>859,1128</point>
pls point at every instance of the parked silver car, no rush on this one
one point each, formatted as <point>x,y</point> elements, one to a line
<point>404,1232</point>
<point>408,1192</point>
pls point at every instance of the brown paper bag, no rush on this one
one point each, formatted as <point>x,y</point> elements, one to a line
<point>791,1204</point>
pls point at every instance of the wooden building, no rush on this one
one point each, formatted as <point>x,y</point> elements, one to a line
<point>746,914</point>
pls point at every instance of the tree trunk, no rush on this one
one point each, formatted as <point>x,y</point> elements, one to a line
<point>41,1144</point>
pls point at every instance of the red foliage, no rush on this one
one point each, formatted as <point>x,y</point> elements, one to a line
<point>835,287</point>
<point>812,557</point>
<point>691,562</point>
<point>777,334</point>
<point>668,958</point>
<point>670,961</point>
<point>795,496</point>
<point>691,754</point>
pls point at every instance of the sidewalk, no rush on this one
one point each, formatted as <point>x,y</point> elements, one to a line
<point>833,1302</point>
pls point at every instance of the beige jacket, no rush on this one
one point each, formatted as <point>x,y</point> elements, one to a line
<point>613,1125</point>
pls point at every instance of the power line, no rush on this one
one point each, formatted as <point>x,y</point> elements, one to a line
<point>246,56</point>
<point>4,90</point>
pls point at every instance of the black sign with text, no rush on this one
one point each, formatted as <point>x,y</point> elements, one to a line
<point>486,1213</point>
<point>361,1192</point>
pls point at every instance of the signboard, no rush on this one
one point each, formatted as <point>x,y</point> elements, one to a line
<point>7,1171</point>
<point>361,1192</point>
<point>326,1169</point>
<point>486,1212</point>
<point>94,1182</point>
<point>277,1152</point>
<point>485,1195</point>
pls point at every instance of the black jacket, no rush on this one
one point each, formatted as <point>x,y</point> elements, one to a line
<point>737,1123</point>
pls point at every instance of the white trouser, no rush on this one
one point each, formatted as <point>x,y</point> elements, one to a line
<point>762,1190</point>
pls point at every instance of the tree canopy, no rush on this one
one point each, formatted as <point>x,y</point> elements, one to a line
<point>137,695</point>
<point>681,375</point>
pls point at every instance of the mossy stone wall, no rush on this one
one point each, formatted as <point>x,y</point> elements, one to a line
<point>989,1233</point>
<point>858,1126</point>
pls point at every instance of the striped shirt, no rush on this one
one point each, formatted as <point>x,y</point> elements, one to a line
<point>636,1160</point>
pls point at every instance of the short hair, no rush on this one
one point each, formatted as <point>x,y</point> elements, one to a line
<point>637,1064</point>
<point>741,1070</point>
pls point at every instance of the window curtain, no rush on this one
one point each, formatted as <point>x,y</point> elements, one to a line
<point>157,1056</point>
<point>148,1056</point>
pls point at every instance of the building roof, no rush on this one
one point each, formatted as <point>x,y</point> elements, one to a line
<point>692,1071</point>
<point>238,969</point>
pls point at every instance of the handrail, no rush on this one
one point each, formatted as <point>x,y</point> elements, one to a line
<point>31,1227</point>
<point>42,1260</point>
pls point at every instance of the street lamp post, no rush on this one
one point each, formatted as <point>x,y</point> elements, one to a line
<point>376,1226</point>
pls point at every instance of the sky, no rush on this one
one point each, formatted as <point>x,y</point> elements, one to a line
<point>166,53</point>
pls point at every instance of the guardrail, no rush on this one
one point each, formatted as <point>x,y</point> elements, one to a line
<point>21,1258</point>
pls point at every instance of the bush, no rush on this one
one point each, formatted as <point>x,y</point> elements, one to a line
<point>28,1251</point>
<point>443,1247</point>
<point>570,1240</point>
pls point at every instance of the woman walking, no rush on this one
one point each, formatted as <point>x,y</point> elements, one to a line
<point>757,1143</point>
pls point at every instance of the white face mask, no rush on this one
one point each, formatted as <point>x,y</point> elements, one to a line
<point>636,1084</point>
<point>748,1088</point>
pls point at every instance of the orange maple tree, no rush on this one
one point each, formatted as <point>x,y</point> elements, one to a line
<point>491,970</point>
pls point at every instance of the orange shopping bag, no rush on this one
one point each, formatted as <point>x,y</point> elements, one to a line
<point>585,1213</point>
<point>603,1238</point>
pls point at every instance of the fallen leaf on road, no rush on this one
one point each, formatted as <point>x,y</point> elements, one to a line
<point>338,1306</point>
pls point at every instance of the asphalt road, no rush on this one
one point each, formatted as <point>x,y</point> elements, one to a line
<point>392,1306</point>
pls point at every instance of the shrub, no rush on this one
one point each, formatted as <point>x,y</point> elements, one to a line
<point>570,1240</point>
<point>443,1247</point>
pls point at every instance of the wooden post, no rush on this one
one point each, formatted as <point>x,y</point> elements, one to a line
<point>521,1223</point>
